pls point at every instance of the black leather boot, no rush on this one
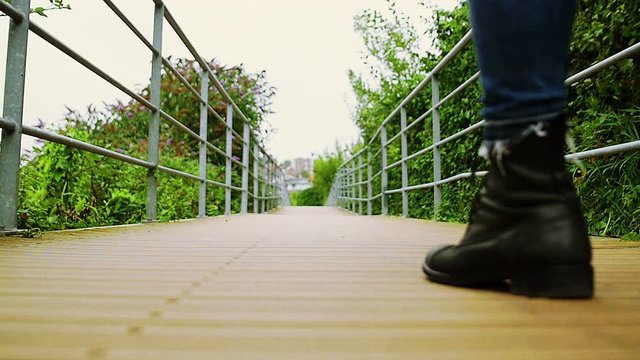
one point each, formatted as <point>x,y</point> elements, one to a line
<point>526,224</point>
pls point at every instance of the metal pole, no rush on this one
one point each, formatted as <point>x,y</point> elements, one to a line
<point>360,208</point>
<point>204,114</point>
<point>228,163</point>
<point>154,123</point>
<point>281,192</point>
<point>437,174</point>
<point>369,183</point>
<point>352,179</point>
<point>256,179</point>
<point>245,169</point>
<point>384,178</point>
<point>273,186</point>
<point>341,189</point>
<point>349,187</point>
<point>268,182</point>
<point>263,186</point>
<point>405,173</point>
<point>13,111</point>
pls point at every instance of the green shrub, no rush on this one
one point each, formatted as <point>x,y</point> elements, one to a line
<point>62,187</point>
<point>604,110</point>
<point>312,196</point>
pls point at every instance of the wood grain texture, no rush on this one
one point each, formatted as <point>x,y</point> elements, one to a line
<point>302,283</point>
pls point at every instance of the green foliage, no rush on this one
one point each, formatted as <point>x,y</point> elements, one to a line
<point>604,109</point>
<point>62,187</point>
<point>324,172</point>
<point>293,197</point>
<point>312,196</point>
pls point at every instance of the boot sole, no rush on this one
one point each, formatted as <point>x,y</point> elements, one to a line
<point>555,282</point>
<point>558,282</point>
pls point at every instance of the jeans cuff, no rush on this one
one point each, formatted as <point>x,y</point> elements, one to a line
<point>505,129</point>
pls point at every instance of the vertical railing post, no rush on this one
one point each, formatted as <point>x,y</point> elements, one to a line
<point>405,173</point>
<point>228,163</point>
<point>350,184</point>
<point>352,178</point>
<point>13,111</point>
<point>269,182</point>
<point>256,177</point>
<point>263,186</point>
<point>154,123</point>
<point>274,179</point>
<point>384,178</point>
<point>345,186</point>
<point>338,186</point>
<point>280,181</point>
<point>369,183</point>
<point>360,208</point>
<point>274,176</point>
<point>204,115</point>
<point>437,174</point>
<point>273,186</point>
<point>246,144</point>
<point>342,188</point>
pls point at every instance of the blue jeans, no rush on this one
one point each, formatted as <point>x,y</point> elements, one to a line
<point>522,49</point>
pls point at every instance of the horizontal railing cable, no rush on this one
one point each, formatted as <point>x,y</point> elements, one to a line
<point>436,183</point>
<point>65,140</point>
<point>607,150</point>
<point>7,125</point>
<point>205,66</point>
<point>14,14</point>
<point>448,57</point>
<point>130,25</point>
<point>590,71</point>
<point>439,143</point>
<point>87,64</point>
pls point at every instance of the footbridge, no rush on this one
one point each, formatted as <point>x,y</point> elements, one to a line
<point>267,280</point>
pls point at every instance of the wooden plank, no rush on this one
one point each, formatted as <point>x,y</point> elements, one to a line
<point>302,283</point>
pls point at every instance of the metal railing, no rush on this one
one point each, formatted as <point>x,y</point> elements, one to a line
<point>356,173</point>
<point>267,190</point>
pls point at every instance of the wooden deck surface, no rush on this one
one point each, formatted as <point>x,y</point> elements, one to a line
<point>303,283</point>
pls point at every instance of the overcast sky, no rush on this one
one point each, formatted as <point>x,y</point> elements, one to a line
<point>306,48</point>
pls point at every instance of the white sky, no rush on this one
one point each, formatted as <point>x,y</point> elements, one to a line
<point>305,46</point>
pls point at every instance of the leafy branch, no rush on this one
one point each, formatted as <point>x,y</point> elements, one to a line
<point>42,11</point>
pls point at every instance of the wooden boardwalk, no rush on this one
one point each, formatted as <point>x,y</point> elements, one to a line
<point>303,283</point>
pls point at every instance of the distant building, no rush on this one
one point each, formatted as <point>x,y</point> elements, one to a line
<point>298,167</point>
<point>297,183</point>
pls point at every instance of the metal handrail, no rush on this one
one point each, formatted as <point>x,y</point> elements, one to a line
<point>346,185</point>
<point>445,60</point>
<point>267,175</point>
<point>132,27</point>
<point>87,64</point>
<point>216,82</point>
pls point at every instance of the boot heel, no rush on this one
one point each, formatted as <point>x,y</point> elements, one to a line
<point>570,282</point>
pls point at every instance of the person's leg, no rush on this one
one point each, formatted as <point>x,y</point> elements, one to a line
<point>522,49</point>
<point>526,225</point>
